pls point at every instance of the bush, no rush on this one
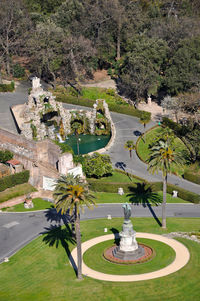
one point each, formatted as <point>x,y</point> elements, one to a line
<point>109,187</point>
<point>156,186</point>
<point>15,179</point>
<point>97,165</point>
<point>178,129</point>
<point>5,155</point>
<point>7,87</point>
<point>192,177</point>
<point>18,71</point>
<point>184,194</point>
<point>65,148</point>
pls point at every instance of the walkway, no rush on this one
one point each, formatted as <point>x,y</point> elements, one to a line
<point>181,259</point>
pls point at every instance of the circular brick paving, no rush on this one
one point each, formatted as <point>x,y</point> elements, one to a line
<point>181,259</point>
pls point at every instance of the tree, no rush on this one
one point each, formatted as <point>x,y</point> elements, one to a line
<point>172,104</point>
<point>144,119</point>
<point>44,48</point>
<point>77,128</point>
<point>13,29</point>
<point>97,165</point>
<point>183,70</point>
<point>142,67</point>
<point>72,194</point>
<point>129,145</point>
<point>5,156</point>
<point>163,157</point>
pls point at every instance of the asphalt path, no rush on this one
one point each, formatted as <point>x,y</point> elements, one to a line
<point>18,229</point>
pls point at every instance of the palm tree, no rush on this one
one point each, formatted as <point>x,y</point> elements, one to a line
<point>130,146</point>
<point>144,120</point>
<point>162,157</point>
<point>72,194</point>
<point>77,127</point>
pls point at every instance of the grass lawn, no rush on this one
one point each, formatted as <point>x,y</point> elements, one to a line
<point>39,204</point>
<point>164,256</point>
<point>107,197</point>
<point>41,271</point>
<point>118,177</point>
<point>92,93</point>
<point>16,191</point>
<point>101,197</point>
<point>144,151</point>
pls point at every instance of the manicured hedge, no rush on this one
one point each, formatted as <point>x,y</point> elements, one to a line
<point>156,186</point>
<point>109,187</point>
<point>122,109</point>
<point>192,177</point>
<point>15,179</point>
<point>7,87</point>
<point>184,194</point>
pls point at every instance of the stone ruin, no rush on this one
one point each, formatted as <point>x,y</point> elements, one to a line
<point>44,117</point>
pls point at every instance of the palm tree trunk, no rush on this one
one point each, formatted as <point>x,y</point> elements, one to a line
<point>130,152</point>
<point>164,201</point>
<point>78,242</point>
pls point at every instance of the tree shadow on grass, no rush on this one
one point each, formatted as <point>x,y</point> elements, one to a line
<point>122,165</point>
<point>143,194</point>
<point>56,235</point>
<point>116,234</point>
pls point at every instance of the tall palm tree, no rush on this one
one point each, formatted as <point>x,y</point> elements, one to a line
<point>162,157</point>
<point>77,128</point>
<point>72,194</point>
<point>129,145</point>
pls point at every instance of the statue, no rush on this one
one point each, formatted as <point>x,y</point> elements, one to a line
<point>127,211</point>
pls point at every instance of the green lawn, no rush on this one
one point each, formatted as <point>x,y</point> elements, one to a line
<point>39,204</point>
<point>16,191</point>
<point>42,272</point>
<point>108,197</point>
<point>118,177</point>
<point>164,256</point>
<point>144,151</point>
<point>101,197</point>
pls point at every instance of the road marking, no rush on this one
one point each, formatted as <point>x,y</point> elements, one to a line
<point>10,225</point>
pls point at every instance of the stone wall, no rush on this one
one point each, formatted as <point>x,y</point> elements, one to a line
<point>40,158</point>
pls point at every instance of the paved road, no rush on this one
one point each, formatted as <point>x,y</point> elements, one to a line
<point>127,128</point>
<point>18,229</point>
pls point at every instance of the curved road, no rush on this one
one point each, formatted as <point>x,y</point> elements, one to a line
<point>17,229</point>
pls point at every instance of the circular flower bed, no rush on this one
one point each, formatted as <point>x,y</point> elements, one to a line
<point>149,254</point>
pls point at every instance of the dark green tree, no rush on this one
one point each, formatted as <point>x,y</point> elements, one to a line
<point>97,165</point>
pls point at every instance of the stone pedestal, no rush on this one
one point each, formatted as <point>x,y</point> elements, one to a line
<point>128,241</point>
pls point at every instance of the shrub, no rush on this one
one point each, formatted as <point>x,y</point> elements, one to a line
<point>184,194</point>
<point>108,187</point>
<point>97,165</point>
<point>156,186</point>
<point>5,155</point>
<point>7,87</point>
<point>15,179</point>
<point>65,148</point>
<point>192,177</point>
<point>18,71</point>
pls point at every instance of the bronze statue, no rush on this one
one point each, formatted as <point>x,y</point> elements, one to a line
<point>127,211</point>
